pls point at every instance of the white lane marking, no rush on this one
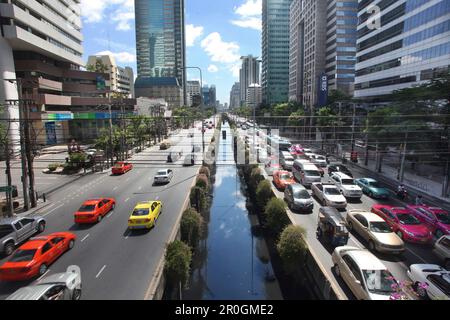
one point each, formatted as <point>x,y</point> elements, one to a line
<point>41,277</point>
<point>87,236</point>
<point>110,214</point>
<point>100,272</point>
<point>128,179</point>
<point>140,188</point>
<point>126,200</point>
<point>53,210</point>
<point>115,188</point>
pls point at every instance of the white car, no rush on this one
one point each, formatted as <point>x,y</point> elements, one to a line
<point>435,278</point>
<point>442,250</point>
<point>163,176</point>
<point>319,160</point>
<point>365,275</point>
<point>346,185</point>
<point>329,195</point>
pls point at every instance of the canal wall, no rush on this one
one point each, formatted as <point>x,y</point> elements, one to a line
<point>158,282</point>
<point>316,277</point>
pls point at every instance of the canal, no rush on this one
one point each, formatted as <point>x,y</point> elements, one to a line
<point>233,262</point>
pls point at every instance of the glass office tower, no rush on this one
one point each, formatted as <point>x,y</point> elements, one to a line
<point>160,39</point>
<point>410,47</point>
<point>275,51</point>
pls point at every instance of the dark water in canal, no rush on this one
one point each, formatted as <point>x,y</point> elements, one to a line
<point>234,262</point>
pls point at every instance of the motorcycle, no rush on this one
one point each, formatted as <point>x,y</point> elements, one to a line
<point>402,194</point>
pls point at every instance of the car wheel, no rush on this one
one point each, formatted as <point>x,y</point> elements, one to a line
<point>71,244</point>
<point>9,248</point>
<point>42,269</point>
<point>447,264</point>
<point>439,233</point>
<point>113,207</point>
<point>76,294</point>
<point>41,227</point>
<point>400,234</point>
<point>336,270</point>
<point>422,292</point>
<point>371,194</point>
<point>371,245</point>
<point>99,218</point>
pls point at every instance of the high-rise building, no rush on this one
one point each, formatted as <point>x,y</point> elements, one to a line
<point>193,93</point>
<point>275,51</point>
<point>342,22</point>
<point>407,46</point>
<point>254,95</point>
<point>160,41</point>
<point>308,25</point>
<point>235,96</point>
<point>121,79</point>
<point>248,74</point>
<point>212,96</point>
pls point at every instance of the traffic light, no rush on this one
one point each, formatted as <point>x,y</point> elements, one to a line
<point>354,156</point>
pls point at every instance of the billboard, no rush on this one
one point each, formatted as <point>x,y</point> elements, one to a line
<point>101,83</point>
<point>50,130</point>
<point>322,90</point>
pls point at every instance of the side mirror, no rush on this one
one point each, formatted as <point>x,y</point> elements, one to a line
<point>358,282</point>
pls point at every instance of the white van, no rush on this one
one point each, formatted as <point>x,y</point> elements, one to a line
<point>305,172</point>
<point>286,160</point>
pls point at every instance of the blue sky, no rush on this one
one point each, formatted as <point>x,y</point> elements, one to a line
<point>218,33</point>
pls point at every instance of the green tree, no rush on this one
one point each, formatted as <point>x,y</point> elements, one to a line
<point>255,178</point>
<point>292,247</point>
<point>178,260</point>
<point>275,215</point>
<point>191,227</point>
<point>99,66</point>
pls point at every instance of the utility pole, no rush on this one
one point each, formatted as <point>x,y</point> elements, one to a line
<point>353,127</point>
<point>9,197</point>
<point>22,120</point>
<point>110,131</point>
<point>30,157</point>
<point>366,160</point>
<point>402,165</point>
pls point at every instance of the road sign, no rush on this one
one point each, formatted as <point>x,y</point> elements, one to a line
<point>6,189</point>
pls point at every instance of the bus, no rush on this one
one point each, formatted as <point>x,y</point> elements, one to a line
<point>277,143</point>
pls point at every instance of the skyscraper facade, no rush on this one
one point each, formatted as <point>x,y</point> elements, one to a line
<point>249,74</point>
<point>275,51</point>
<point>160,39</point>
<point>235,96</point>
<point>407,46</point>
<point>308,25</point>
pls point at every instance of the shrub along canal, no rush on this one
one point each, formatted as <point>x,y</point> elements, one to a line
<point>233,261</point>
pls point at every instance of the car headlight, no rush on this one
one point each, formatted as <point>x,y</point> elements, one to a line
<point>409,233</point>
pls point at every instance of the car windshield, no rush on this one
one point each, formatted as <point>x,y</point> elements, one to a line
<point>348,181</point>
<point>374,184</point>
<point>161,173</point>
<point>118,165</point>
<point>312,173</point>
<point>443,217</point>
<point>87,208</point>
<point>408,219</point>
<point>285,176</point>
<point>301,194</point>
<point>140,212</point>
<point>380,227</point>
<point>379,281</point>
<point>5,229</point>
<point>331,191</point>
<point>23,255</point>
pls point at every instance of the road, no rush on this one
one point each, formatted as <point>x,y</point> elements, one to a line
<point>397,265</point>
<point>116,264</point>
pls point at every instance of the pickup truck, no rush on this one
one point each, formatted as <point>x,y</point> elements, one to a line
<point>14,231</point>
<point>329,195</point>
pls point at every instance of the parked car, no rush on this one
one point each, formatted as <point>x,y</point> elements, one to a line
<point>163,176</point>
<point>329,195</point>
<point>346,185</point>
<point>33,258</point>
<point>437,219</point>
<point>122,167</point>
<point>261,155</point>
<point>339,168</point>
<point>365,275</point>
<point>94,210</point>
<point>435,278</point>
<point>375,231</point>
<point>14,231</point>
<point>404,223</point>
<point>372,188</point>
<point>282,178</point>
<point>190,159</point>
<point>298,198</point>
<point>144,215</point>
<point>442,250</point>
<point>286,160</point>
<point>59,286</point>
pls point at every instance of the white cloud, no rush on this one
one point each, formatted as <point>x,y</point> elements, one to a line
<point>192,33</point>
<point>94,11</point>
<point>121,57</point>
<point>235,69</point>
<point>213,68</point>
<point>219,50</point>
<point>249,15</point>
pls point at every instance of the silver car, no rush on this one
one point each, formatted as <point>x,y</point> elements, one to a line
<point>298,198</point>
<point>14,231</point>
<point>60,286</point>
<point>442,250</point>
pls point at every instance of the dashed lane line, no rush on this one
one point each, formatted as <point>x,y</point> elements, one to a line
<point>100,272</point>
<point>53,210</point>
<point>87,236</point>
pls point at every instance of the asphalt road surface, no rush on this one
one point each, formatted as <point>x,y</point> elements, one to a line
<point>115,263</point>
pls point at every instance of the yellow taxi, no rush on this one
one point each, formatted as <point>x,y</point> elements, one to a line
<point>145,215</point>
